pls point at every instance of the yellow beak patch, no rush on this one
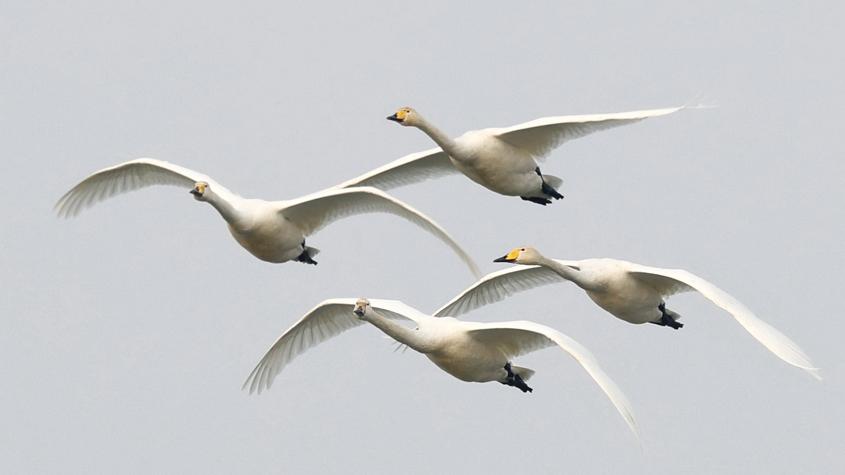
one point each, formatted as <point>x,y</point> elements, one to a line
<point>513,255</point>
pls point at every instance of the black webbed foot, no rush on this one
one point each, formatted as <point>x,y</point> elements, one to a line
<point>534,199</point>
<point>666,320</point>
<point>305,257</point>
<point>551,191</point>
<point>546,189</point>
<point>515,380</point>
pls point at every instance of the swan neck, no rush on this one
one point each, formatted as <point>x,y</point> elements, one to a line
<point>223,206</point>
<point>440,138</point>
<point>397,331</point>
<point>568,273</point>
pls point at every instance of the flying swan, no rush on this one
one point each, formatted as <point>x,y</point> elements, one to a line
<point>503,160</point>
<point>273,231</point>
<point>469,351</point>
<point>631,292</point>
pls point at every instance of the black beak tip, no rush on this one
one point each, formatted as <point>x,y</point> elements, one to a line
<point>194,192</point>
<point>393,118</point>
<point>502,259</point>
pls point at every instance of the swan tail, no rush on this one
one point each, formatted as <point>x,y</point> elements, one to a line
<point>307,256</point>
<point>674,315</point>
<point>553,181</point>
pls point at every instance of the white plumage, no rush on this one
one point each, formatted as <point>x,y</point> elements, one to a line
<point>469,351</point>
<point>504,160</point>
<point>631,292</point>
<point>273,231</point>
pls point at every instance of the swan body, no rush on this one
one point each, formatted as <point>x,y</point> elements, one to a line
<point>273,231</point>
<point>629,291</point>
<point>504,160</point>
<point>469,351</point>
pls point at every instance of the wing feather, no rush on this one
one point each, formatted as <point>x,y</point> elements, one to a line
<point>499,285</point>
<point>539,137</point>
<point>126,177</point>
<point>778,343</point>
<point>312,212</point>
<point>521,337</point>
<point>413,168</point>
<point>327,320</point>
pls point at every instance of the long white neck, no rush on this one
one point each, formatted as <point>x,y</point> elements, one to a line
<point>398,332</point>
<point>225,207</point>
<point>573,275</point>
<point>444,141</point>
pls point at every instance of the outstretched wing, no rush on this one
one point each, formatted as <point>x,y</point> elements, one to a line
<point>672,280</point>
<point>521,337</point>
<point>539,137</point>
<point>126,177</point>
<point>413,168</point>
<point>327,320</point>
<point>499,285</point>
<point>312,212</point>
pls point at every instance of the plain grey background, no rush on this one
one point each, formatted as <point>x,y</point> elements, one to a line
<point>128,331</point>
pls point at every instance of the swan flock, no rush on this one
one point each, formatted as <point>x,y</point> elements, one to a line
<point>505,160</point>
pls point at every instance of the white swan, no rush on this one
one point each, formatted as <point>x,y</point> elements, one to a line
<point>503,160</point>
<point>273,231</point>
<point>628,291</point>
<point>469,351</point>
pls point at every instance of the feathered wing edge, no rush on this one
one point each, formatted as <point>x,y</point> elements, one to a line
<point>773,339</point>
<point>125,177</point>
<point>326,320</point>
<point>497,286</point>
<point>313,212</point>
<point>580,353</point>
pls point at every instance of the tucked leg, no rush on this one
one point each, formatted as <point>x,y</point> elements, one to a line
<point>515,380</point>
<point>666,320</point>
<point>534,199</point>
<point>305,257</point>
<point>546,189</point>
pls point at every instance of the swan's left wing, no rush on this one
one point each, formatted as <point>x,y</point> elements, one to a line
<point>521,337</point>
<point>769,336</point>
<point>327,320</point>
<point>500,285</point>
<point>539,137</point>
<point>312,212</point>
<point>413,168</point>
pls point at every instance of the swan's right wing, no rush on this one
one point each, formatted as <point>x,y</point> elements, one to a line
<point>312,212</point>
<point>126,177</point>
<point>521,337</point>
<point>327,320</point>
<point>413,168</point>
<point>499,285</point>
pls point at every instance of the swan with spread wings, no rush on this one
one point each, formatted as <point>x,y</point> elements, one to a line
<point>504,160</point>
<point>470,351</point>
<point>631,292</point>
<point>273,231</point>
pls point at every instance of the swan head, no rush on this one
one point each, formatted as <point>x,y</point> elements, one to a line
<point>361,307</point>
<point>521,255</point>
<point>199,190</point>
<point>405,116</point>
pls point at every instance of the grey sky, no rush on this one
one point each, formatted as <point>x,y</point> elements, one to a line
<point>128,331</point>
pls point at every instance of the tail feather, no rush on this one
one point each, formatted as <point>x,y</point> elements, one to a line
<point>307,256</point>
<point>523,373</point>
<point>553,181</point>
